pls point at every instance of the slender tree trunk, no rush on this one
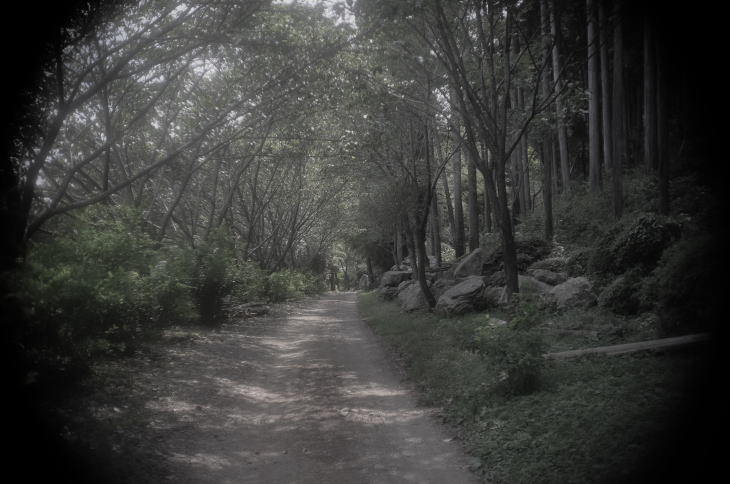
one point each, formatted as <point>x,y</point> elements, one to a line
<point>449,207</point>
<point>490,218</point>
<point>419,236</point>
<point>650,107</point>
<point>459,235</point>
<point>436,228</point>
<point>557,80</point>
<point>594,133</point>
<point>547,191</point>
<point>619,113</point>
<point>473,207</point>
<point>508,241</point>
<point>605,87</point>
<point>525,165</point>
<point>662,152</point>
<point>398,244</point>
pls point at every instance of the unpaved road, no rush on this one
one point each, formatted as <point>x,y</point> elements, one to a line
<point>309,397</point>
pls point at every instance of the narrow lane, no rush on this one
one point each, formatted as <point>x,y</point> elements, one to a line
<point>309,398</point>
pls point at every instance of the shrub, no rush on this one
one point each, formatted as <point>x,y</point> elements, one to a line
<point>683,287</point>
<point>516,356</point>
<point>637,241</point>
<point>621,295</point>
<point>89,290</point>
<point>514,350</point>
<point>287,284</point>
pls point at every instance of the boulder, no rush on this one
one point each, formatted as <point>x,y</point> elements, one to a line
<point>528,251</point>
<point>441,286</point>
<point>548,277</point>
<point>575,292</point>
<point>468,295</point>
<point>411,297</point>
<point>471,265</point>
<point>393,278</point>
<point>496,279</point>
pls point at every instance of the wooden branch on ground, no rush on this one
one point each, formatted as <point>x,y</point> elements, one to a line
<point>656,344</point>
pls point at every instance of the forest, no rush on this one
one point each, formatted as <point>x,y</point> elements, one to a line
<point>167,163</point>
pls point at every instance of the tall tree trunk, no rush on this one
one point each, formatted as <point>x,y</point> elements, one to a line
<point>419,235</point>
<point>436,228</point>
<point>525,166</point>
<point>489,192</point>
<point>547,187</point>
<point>473,207</point>
<point>399,244</point>
<point>549,173</point>
<point>662,152</point>
<point>619,112</point>
<point>459,235</point>
<point>557,80</point>
<point>594,133</point>
<point>603,29</point>
<point>650,114</point>
<point>449,207</point>
<point>509,247</point>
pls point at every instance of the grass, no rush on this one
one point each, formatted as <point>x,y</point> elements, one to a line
<point>593,419</point>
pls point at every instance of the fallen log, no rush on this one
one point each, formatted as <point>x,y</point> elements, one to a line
<point>656,344</point>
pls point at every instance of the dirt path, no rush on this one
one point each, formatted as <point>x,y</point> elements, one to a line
<point>306,398</point>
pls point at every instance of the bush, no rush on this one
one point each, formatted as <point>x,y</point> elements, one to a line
<point>287,284</point>
<point>515,354</point>
<point>621,295</point>
<point>514,350</point>
<point>90,290</point>
<point>684,286</point>
<point>637,241</point>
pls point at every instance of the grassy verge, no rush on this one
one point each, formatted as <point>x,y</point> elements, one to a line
<point>593,419</point>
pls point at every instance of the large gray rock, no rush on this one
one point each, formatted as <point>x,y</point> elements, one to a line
<point>441,286</point>
<point>393,278</point>
<point>548,277</point>
<point>411,298</point>
<point>468,295</point>
<point>575,292</point>
<point>471,265</point>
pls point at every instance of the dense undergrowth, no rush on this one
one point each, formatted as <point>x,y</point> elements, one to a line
<point>104,285</point>
<point>530,419</point>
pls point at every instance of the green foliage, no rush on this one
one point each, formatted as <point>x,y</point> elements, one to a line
<point>514,350</point>
<point>287,284</point>
<point>90,290</point>
<point>683,288</point>
<point>633,242</point>
<point>621,294</point>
